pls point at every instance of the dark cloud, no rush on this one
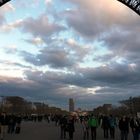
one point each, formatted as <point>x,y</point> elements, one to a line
<point>59,54</point>
<point>113,74</point>
<point>41,26</point>
<point>57,87</point>
<point>93,19</point>
<point>55,58</point>
<point>124,43</point>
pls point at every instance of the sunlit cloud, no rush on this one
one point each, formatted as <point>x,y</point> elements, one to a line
<point>94,89</point>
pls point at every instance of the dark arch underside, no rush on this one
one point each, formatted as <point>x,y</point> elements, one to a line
<point>2,2</point>
<point>133,4</point>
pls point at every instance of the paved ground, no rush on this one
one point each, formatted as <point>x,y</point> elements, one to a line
<point>45,131</point>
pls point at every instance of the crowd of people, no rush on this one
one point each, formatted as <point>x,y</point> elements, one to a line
<point>10,123</point>
<point>108,124</point>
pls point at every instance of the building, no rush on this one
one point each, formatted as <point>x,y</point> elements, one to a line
<point>71,105</point>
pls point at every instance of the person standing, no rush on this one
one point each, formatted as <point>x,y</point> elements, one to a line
<point>124,128</point>
<point>63,125</point>
<point>18,124</point>
<point>11,124</point>
<point>105,126</point>
<point>4,123</point>
<point>112,125</point>
<point>85,129</point>
<point>135,126</point>
<point>93,124</point>
<point>71,127</point>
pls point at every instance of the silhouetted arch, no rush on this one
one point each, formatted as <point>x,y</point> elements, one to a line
<point>133,4</point>
<point>2,2</point>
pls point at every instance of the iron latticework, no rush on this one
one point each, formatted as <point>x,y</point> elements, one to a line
<point>2,2</point>
<point>133,4</point>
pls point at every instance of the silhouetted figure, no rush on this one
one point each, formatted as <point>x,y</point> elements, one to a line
<point>63,125</point>
<point>105,126</point>
<point>124,128</point>
<point>18,124</point>
<point>11,123</point>
<point>112,125</point>
<point>4,123</point>
<point>85,129</point>
<point>135,126</point>
<point>71,128</point>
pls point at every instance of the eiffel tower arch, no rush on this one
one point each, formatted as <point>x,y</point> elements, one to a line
<point>2,2</point>
<point>132,4</point>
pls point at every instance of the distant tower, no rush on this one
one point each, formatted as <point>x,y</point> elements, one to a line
<point>71,105</point>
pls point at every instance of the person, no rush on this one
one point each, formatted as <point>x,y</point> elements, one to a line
<point>93,124</point>
<point>124,128</point>
<point>105,126</point>
<point>4,123</point>
<point>11,124</point>
<point>112,125</point>
<point>85,129</point>
<point>18,124</point>
<point>63,125</point>
<point>71,127</point>
<point>135,126</point>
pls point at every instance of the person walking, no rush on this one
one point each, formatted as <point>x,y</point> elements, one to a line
<point>105,125</point>
<point>93,124</point>
<point>18,124</point>
<point>71,127</point>
<point>124,128</point>
<point>11,123</point>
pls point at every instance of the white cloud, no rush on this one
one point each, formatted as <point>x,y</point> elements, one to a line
<point>37,41</point>
<point>10,26</point>
<point>48,1</point>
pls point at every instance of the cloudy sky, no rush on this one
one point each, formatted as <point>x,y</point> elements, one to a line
<point>53,50</point>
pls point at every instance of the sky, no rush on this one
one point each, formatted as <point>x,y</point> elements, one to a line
<point>53,50</point>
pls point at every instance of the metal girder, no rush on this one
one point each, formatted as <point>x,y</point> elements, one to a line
<point>133,4</point>
<point>2,2</point>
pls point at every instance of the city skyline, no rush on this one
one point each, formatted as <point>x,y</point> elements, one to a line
<point>53,50</point>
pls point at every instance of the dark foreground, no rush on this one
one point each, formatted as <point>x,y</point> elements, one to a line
<point>45,131</point>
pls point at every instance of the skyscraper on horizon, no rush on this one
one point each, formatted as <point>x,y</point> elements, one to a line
<point>71,105</point>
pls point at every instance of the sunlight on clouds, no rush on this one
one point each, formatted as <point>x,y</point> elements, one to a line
<point>11,26</point>
<point>119,60</point>
<point>14,47</point>
<point>132,66</point>
<point>7,7</point>
<point>72,86</point>
<point>94,90</point>
<point>48,1</point>
<point>71,41</point>
<point>37,41</point>
<point>11,73</point>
